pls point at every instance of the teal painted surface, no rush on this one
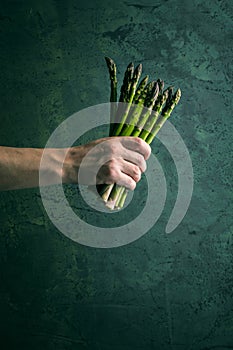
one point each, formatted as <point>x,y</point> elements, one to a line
<point>163,291</point>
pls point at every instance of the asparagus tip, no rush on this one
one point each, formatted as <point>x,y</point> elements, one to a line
<point>177,96</point>
<point>109,60</point>
<point>139,67</point>
<point>130,65</point>
<point>161,85</point>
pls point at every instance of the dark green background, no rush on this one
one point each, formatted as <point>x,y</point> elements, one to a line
<point>163,291</point>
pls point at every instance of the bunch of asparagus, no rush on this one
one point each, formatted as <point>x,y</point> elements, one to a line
<point>143,109</point>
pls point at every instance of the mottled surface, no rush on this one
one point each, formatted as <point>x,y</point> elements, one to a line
<point>163,291</point>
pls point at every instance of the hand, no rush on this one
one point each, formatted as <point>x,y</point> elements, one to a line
<point>108,160</point>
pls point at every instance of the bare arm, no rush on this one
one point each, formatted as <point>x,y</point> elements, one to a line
<point>19,167</point>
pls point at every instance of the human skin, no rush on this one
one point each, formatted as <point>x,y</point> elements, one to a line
<point>120,160</point>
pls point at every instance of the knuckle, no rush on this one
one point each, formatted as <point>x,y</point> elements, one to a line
<point>112,174</point>
<point>139,141</point>
<point>111,148</point>
<point>110,170</point>
<point>144,167</point>
<point>138,177</point>
<point>141,162</point>
<point>112,163</point>
<point>148,151</point>
<point>132,185</point>
<point>136,169</point>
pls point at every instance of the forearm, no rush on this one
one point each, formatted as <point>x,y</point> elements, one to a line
<point>19,167</point>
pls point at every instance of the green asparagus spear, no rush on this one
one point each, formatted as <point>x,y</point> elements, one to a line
<point>122,198</point>
<point>133,86</point>
<point>146,113</point>
<point>124,96</point>
<point>122,109</point>
<point>102,189</point>
<point>123,189</point>
<point>166,112</point>
<point>161,85</point>
<point>140,88</point>
<point>105,190</point>
<point>125,88</point>
<point>113,78</point>
<point>136,110</point>
<point>154,115</point>
<point>131,78</point>
<point>114,196</point>
<point>113,96</point>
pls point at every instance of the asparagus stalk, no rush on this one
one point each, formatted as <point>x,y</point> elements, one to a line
<point>113,96</point>
<point>166,112</point>
<point>157,109</point>
<point>115,193</point>
<point>146,113</point>
<point>123,189</point>
<point>130,96</point>
<point>137,110</point>
<point>161,85</point>
<point>134,83</point>
<point>104,190</point>
<point>128,89</point>
<point>113,78</point>
<point>124,96</point>
<point>110,203</point>
<point>140,88</point>
<point>125,88</point>
<point>122,199</point>
<point>115,196</point>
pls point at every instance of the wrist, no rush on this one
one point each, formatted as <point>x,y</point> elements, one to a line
<point>71,164</point>
<point>51,166</point>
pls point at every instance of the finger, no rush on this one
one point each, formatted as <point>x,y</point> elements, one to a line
<point>135,158</point>
<point>131,170</point>
<point>126,181</point>
<point>114,172</point>
<point>136,144</point>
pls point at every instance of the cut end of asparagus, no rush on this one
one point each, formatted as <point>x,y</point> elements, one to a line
<point>105,191</point>
<point>110,204</point>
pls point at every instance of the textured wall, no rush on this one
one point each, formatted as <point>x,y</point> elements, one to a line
<point>162,291</point>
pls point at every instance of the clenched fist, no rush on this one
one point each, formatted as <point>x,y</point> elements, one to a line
<point>119,160</point>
